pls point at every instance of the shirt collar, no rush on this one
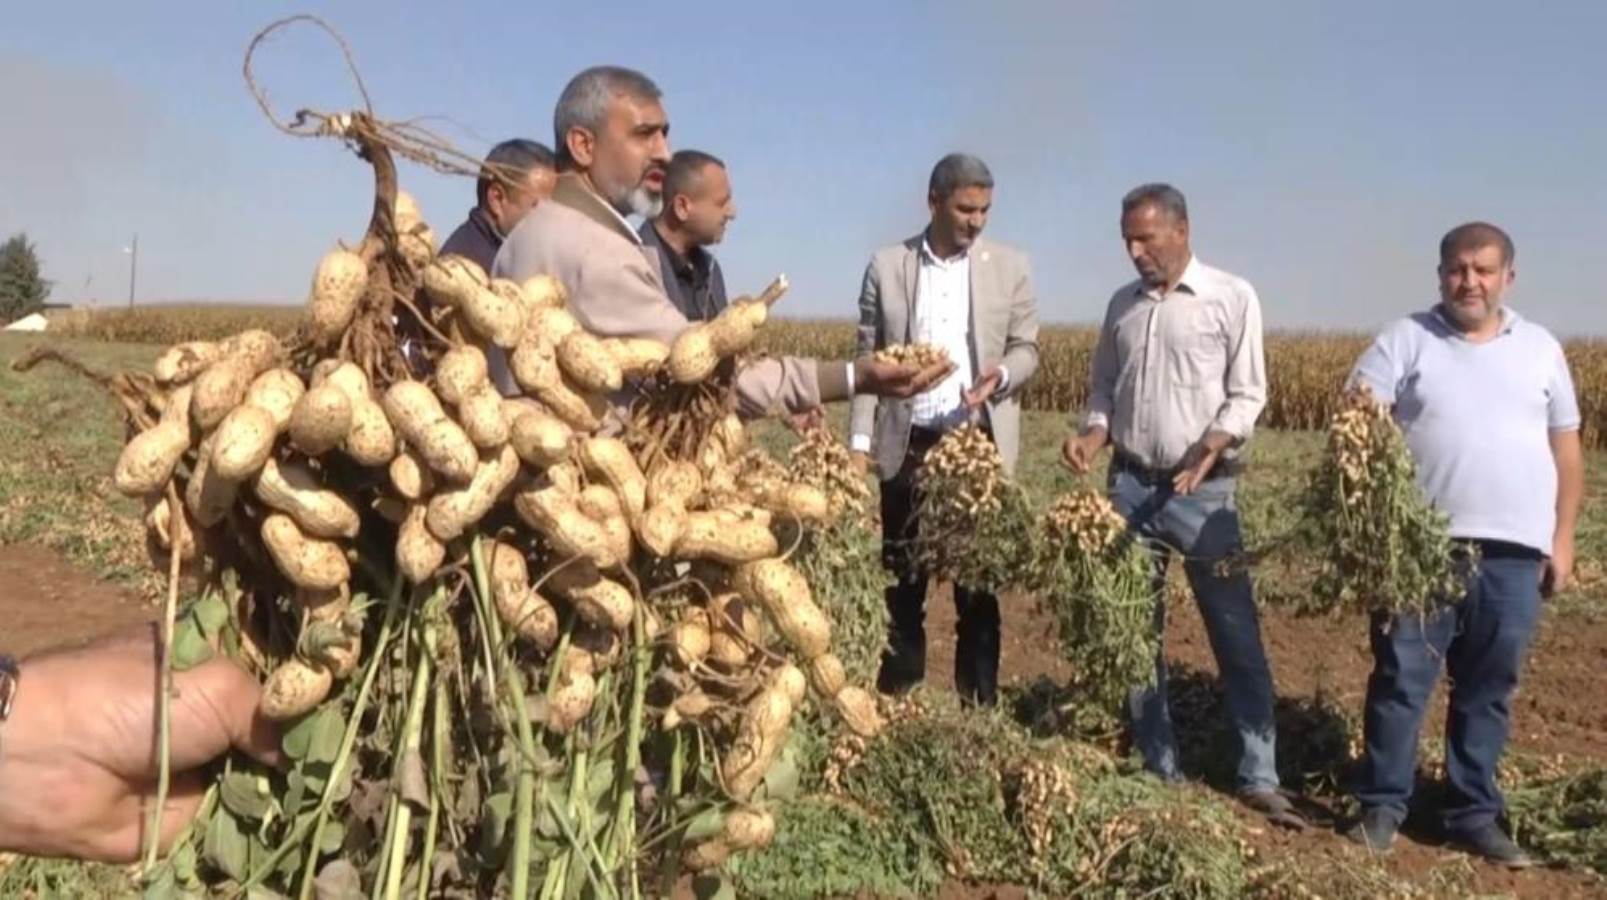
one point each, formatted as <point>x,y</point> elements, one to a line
<point>1192,280</point>
<point>572,192</point>
<point>930,255</point>
<point>622,221</point>
<point>695,261</point>
<point>1509,321</point>
<point>483,221</point>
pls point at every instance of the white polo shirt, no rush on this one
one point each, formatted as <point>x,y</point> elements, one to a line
<point>1478,419</point>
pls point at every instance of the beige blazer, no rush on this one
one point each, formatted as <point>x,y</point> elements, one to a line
<point>1004,330</point>
<point>615,290</point>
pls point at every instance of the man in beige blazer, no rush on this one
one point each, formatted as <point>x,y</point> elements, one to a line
<point>945,286</point>
<point>612,147</point>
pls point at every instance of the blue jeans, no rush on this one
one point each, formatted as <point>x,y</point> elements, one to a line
<point>1481,641</point>
<point>1205,526</point>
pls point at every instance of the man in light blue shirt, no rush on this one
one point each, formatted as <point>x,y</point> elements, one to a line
<point>1488,410</point>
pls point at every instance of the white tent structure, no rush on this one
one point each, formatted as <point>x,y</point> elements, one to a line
<point>30,322</point>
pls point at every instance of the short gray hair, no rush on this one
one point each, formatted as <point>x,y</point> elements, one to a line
<point>955,171</point>
<point>584,102</point>
<point>1160,195</point>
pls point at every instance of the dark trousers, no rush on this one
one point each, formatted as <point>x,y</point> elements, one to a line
<point>976,651</point>
<point>1481,641</point>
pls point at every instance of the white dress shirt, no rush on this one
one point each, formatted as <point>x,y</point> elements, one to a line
<point>943,319</point>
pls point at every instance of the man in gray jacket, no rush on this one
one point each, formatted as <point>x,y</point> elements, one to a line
<point>948,287</point>
<point>612,137</point>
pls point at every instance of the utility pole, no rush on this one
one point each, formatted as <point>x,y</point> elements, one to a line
<point>133,266</point>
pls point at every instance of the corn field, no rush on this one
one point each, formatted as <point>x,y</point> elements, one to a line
<point>1306,369</point>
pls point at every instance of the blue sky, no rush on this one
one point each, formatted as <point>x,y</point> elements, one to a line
<point>1324,147</point>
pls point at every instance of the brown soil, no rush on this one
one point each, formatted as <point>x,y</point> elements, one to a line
<point>46,603</point>
<point>1560,710</point>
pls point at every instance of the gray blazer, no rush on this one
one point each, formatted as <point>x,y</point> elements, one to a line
<point>1004,331</point>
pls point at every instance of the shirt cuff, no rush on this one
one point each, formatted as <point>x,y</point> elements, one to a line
<point>1095,420</point>
<point>1004,379</point>
<point>859,443</point>
<point>1233,424</point>
<point>834,381</point>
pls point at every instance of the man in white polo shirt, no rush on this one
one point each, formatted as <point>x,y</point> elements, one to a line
<point>1488,410</point>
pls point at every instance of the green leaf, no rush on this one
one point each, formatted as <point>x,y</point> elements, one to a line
<point>494,818</point>
<point>705,824</point>
<point>343,787</point>
<point>289,866</point>
<point>542,848</point>
<point>297,741</point>
<point>161,883</point>
<point>329,730</point>
<point>547,823</point>
<point>599,783</point>
<point>781,781</point>
<point>211,613</point>
<point>190,648</point>
<point>245,795</point>
<point>333,836</point>
<point>225,845</point>
<point>295,793</point>
<point>184,862</point>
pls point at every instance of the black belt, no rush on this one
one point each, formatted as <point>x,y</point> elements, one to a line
<point>1152,475</point>
<point>1493,549</point>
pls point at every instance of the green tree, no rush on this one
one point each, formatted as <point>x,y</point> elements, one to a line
<point>22,290</point>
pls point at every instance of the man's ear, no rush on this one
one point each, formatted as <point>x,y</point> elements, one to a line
<point>582,146</point>
<point>681,205</point>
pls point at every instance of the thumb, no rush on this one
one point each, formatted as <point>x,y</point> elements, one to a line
<point>220,702</point>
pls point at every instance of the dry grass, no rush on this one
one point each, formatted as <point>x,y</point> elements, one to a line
<point>174,323</point>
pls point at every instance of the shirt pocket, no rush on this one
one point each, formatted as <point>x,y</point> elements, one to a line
<point>1195,359</point>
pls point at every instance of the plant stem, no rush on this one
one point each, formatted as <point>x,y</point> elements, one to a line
<point>625,784</point>
<point>412,733</point>
<point>164,699</point>
<point>524,792</point>
<point>673,856</point>
<point>337,771</point>
<point>439,736</point>
<point>392,800</point>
